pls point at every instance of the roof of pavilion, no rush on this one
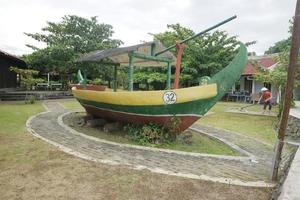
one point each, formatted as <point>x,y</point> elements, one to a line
<point>120,55</point>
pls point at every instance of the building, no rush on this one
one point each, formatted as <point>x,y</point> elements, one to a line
<point>248,85</point>
<point>9,79</point>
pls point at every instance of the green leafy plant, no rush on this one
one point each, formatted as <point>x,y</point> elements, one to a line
<point>27,80</point>
<point>96,81</point>
<point>30,99</point>
<point>146,134</point>
<point>172,128</point>
<point>153,133</point>
<point>65,41</point>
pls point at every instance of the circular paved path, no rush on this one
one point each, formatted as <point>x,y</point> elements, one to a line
<point>253,169</point>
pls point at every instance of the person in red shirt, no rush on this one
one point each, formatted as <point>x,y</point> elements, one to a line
<point>266,98</point>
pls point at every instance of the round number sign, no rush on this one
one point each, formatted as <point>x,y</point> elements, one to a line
<point>170,97</point>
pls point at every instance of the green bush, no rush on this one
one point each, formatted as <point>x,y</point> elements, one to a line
<point>96,81</point>
<point>153,133</point>
<point>30,99</point>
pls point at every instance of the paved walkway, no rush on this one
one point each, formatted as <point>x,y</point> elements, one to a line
<point>252,169</point>
<point>296,111</point>
<point>290,188</point>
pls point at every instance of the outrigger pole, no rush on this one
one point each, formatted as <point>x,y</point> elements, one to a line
<point>180,45</point>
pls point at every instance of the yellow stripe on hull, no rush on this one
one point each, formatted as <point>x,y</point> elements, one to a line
<point>144,98</point>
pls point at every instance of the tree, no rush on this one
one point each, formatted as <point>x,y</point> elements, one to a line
<point>66,41</point>
<point>26,76</point>
<point>203,56</point>
<point>279,46</point>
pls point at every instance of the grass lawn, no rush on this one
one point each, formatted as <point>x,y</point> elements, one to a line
<point>259,127</point>
<point>201,143</point>
<point>13,141</point>
<point>33,169</point>
<point>70,103</point>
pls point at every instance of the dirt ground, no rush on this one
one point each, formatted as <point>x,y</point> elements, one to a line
<point>61,176</point>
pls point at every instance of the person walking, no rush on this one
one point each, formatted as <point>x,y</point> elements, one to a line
<point>266,98</point>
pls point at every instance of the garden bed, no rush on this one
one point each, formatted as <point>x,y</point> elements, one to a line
<point>199,143</point>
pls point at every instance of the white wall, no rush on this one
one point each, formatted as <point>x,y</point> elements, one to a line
<point>242,82</point>
<point>274,91</point>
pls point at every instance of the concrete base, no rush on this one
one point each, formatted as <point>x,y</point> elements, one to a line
<point>290,188</point>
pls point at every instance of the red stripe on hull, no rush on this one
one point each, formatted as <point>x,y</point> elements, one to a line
<point>186,121</point>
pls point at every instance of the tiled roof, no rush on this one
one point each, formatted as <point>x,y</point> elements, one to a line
<point>265,62</point>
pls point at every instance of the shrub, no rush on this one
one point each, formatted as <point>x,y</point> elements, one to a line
<point>172,128</point>
<point>96,81</point>
<point>154,133</point>
<point>30,99</point>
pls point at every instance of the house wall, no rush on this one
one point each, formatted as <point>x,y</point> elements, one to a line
<point>256,87</point>
<point>274,91</point>
<point>242,82</point>
<point>8,79</point>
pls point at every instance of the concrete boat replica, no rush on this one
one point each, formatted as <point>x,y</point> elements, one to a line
<point>187,104</point>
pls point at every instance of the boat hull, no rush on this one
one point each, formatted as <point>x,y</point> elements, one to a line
<point>185,120</point>
<point>143,107</point>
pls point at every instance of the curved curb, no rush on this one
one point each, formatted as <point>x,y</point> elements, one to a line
<point>140,167</point>
<point>61,123</point>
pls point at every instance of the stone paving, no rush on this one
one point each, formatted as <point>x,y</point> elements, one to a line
<point>253,169</point>
<point>290,189</point>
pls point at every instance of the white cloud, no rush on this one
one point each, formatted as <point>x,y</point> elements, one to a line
<point>264,21</point>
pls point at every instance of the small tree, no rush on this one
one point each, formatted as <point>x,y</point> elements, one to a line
<point>27,80</point>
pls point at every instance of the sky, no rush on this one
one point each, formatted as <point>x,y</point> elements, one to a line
<point>264,21</point>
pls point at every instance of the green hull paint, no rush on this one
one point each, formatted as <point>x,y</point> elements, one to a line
<point>197,107</point>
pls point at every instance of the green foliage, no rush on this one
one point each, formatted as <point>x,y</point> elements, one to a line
<point>205,55</point>
<point>144,134</point>
<point>279,46</point>
<point>30,99</point>
<point>96,81</point>
<point>172,128</point>
<point>153,133</point>
<point>66,41</point>
<point>77,33</point>
<point>27,80</point>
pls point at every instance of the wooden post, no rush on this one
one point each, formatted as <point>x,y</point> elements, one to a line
<point>115,77</point>
<point>130,73</point>
<point>169,76</point>
<point>153,49</point>
<point>85,79</point>
<point>179,47</point>
<point>288,91</point>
